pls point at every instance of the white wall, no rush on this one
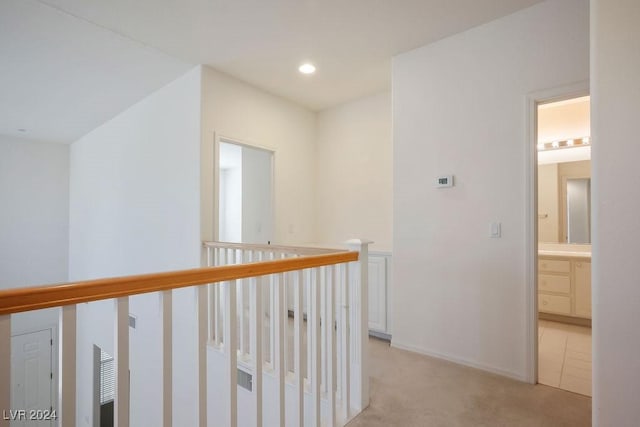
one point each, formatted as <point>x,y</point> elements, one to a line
<point>240,112</point>
<point>354,176</point>
<point>615,68</point>
<point>459,107</point>
<point>34,213</point>
<point>134,208</point>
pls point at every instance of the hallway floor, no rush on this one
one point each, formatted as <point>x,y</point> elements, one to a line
<point>564,356</point>
<point>409,389</point>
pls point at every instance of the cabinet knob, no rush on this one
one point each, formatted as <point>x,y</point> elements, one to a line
<point>578,264</point>
<point>545,302</point>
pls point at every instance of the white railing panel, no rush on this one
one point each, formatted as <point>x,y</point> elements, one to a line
<point>315,337</point>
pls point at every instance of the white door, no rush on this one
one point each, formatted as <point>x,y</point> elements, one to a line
<point>31,378</point>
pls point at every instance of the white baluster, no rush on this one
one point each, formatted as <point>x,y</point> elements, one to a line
<point>331,343</point>
<point>67,364</point>
<point>167,358</point>
<point>298,345</point>
<point>345,342</point>
<point>203,331</point>
<point>241,283</point>
<point>5,366</point>
<point>315,355</point>
<point>230,349</point>
<point>280,309</point>
<point>256,342</point>
<point>272,317</point>
<point>121,404</point>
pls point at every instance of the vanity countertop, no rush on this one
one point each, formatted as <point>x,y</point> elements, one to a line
<point>564,250</point>
<point>572,254</point>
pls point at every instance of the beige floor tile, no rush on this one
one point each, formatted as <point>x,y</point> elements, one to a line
<point>578,355</point>
<point>579,342</point>
<point>578,364</point>
<point>576,385</point>
<point>577,372</point>
<point>564,358</point>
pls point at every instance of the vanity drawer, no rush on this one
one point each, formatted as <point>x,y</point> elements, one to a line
<point>554,304</point>
<point>552,265</point>
<point>548,282</point>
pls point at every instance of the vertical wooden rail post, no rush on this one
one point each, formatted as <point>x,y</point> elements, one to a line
<point>359,282</point>
<point>67,365</point>
<point>5,368</point>
<point>121,404</point>
<point>167,358</point>
<point>231,350</point>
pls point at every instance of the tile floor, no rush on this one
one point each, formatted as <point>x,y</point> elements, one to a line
<point>564,356</point>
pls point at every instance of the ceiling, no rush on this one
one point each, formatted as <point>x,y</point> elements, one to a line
<point>69,65</point>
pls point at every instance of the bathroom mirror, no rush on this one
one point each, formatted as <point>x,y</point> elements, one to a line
<point>577,204</point>
<point>564,202</point>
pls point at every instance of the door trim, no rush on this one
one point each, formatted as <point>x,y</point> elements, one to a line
<point>534,99</point>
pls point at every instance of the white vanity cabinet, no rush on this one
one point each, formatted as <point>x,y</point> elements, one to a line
<point>379,293</point>
<point>564,285</point>
<point>582,275</point>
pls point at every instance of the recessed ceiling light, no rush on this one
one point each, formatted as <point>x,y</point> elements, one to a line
<point>307,68</point>
<point>22,130</point>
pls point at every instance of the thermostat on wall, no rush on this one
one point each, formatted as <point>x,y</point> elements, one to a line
<point>444,181</point>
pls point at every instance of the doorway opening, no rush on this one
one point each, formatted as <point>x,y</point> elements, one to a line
<point>563,255</point>
<point>245,193</point>
<point>32,374</point>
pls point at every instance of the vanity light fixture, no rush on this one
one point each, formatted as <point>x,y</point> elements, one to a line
<point>307,68</point>
<point>559,144</point>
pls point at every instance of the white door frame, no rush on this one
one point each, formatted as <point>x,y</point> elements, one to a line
<point>217,139</point>
<point>534,99</point>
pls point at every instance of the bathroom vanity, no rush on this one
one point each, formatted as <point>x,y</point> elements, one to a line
<point>564,280</point>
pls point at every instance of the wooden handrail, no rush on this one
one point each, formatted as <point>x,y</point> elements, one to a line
<point>297,250</point>
<point>35,298</point>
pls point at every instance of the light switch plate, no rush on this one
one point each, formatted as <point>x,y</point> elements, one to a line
<point>496,230</point>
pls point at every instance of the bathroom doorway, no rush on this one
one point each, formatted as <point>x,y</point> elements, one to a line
<point>245,193</point>
<point>563,253</point>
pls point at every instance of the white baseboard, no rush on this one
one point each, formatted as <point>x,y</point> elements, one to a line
<point>460,361</point>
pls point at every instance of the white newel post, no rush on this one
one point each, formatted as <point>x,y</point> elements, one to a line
<point>359,298</point>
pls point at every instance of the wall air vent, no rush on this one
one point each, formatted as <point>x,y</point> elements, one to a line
<point>245,380</point>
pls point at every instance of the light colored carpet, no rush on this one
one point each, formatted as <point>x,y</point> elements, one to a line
<point>409,389</point>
